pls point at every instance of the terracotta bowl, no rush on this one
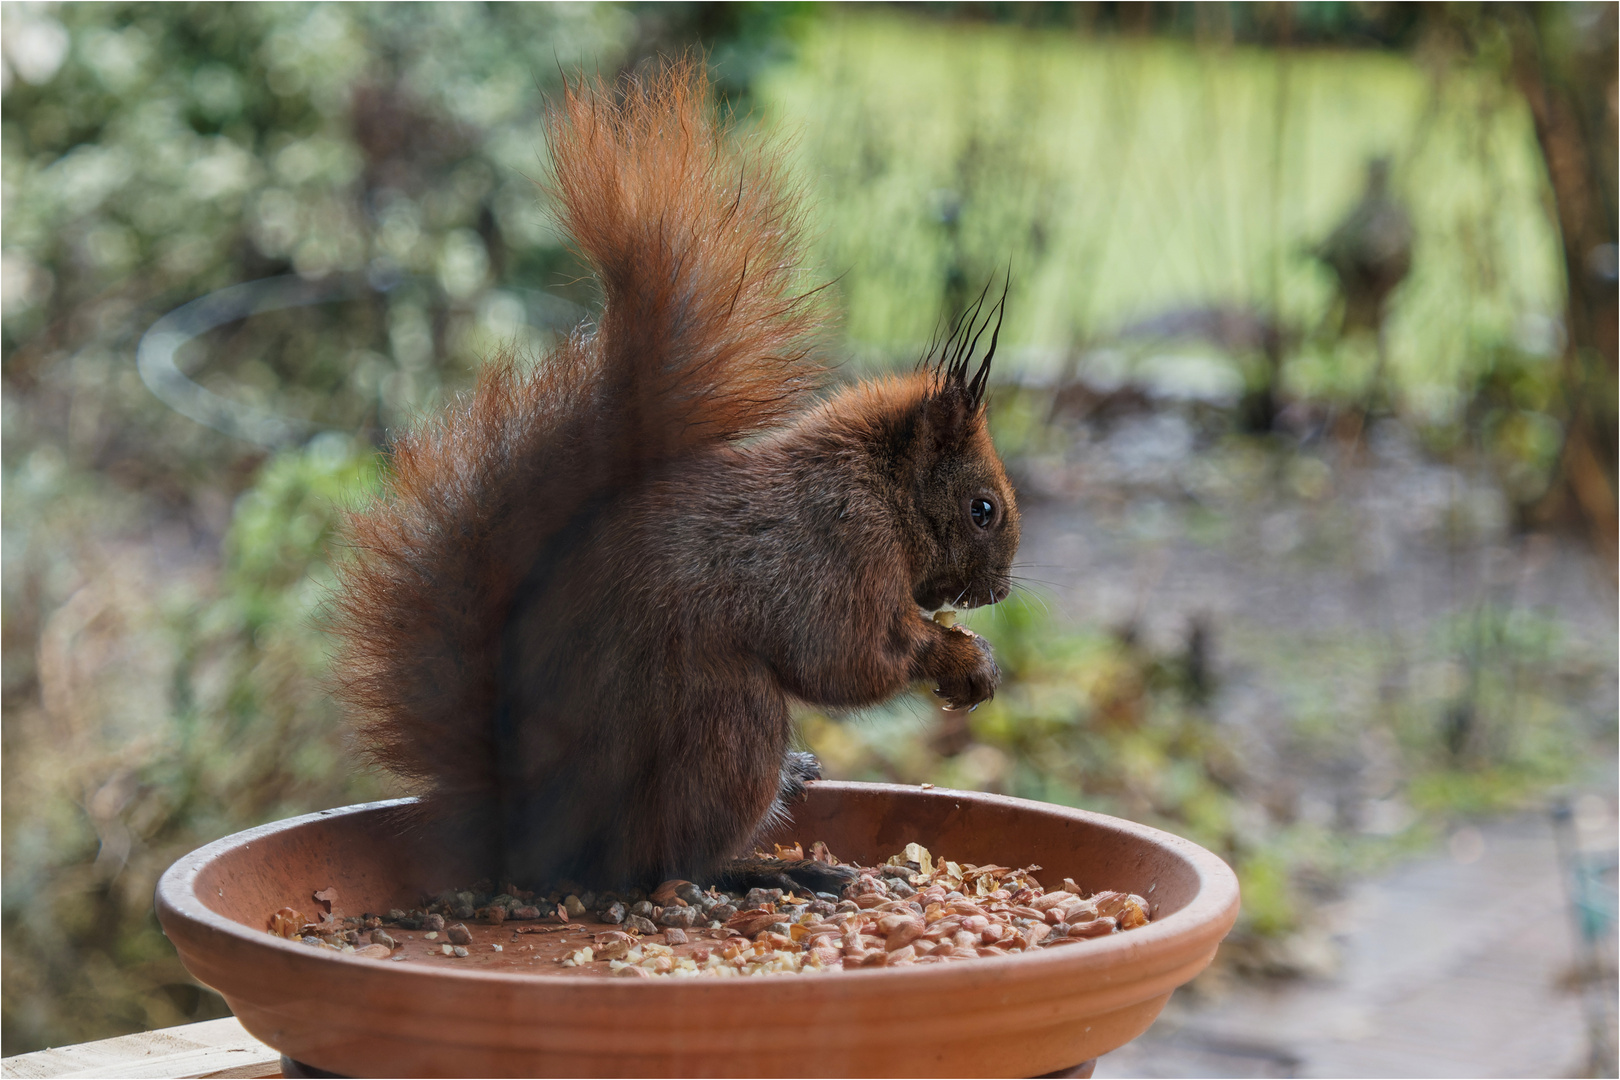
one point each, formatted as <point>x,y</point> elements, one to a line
<point>1021,1015</point>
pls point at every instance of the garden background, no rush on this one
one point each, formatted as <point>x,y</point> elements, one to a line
<point>1309,393</point>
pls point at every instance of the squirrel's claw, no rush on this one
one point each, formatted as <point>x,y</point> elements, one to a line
<point>787,874</point>
<point>965,669</point>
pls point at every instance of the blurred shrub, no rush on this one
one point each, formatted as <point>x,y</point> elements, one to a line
<point>174,706</point>
<point>163,666</point>
<point>174,150</point>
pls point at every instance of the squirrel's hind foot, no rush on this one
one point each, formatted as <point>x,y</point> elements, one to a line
<point>793,875</point>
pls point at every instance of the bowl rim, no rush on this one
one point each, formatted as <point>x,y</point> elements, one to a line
<point>1214,905</point>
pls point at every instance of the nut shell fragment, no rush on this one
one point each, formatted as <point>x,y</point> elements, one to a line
<point>286,922</point>
<point>1094,928</point>
<point>666,893</point>
<point>750,923</point>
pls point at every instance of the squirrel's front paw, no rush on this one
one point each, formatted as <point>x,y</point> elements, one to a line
<point>966,670</point>
<point>798,769</point>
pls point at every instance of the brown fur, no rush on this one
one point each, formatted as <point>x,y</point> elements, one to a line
<point>578,618</point>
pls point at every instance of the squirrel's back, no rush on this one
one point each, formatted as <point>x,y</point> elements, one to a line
<point>702,339</point>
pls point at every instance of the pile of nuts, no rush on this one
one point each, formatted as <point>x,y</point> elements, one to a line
<point>913,909</point>
<point>908,911</point>
<point>366,935</point>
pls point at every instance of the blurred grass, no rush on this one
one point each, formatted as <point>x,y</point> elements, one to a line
<point>1121,178</point>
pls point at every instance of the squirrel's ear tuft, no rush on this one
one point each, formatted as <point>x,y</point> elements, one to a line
<point>954,391</point>
<point>949,416</point>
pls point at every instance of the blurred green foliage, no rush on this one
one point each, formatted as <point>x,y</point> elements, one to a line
<point>172,711</point>
<point>1126,178</point>
<point>176,151</point>
<point>164,678</point>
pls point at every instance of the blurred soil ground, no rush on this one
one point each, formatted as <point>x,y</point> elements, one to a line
<point>1457,964</point>
<point>1461,961</point>
<point>1328,586</point>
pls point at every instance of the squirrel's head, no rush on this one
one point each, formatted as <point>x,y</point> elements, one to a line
<point>962,501</point>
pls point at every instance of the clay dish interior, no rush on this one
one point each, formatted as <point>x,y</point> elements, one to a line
<point>1021,1015</point>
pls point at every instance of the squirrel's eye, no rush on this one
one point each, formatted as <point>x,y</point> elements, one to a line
<point>982,511</point>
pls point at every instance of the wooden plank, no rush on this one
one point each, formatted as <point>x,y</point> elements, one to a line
<point>213,1048</point>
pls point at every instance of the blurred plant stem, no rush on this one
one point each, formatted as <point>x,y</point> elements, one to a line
<point>1567,74</point>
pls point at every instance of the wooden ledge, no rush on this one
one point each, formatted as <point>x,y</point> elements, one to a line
<point>212,1048</point>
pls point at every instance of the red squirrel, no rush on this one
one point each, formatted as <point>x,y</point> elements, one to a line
<point>577,615</point>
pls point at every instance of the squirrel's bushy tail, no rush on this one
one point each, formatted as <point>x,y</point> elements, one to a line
<point>702,337</point>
